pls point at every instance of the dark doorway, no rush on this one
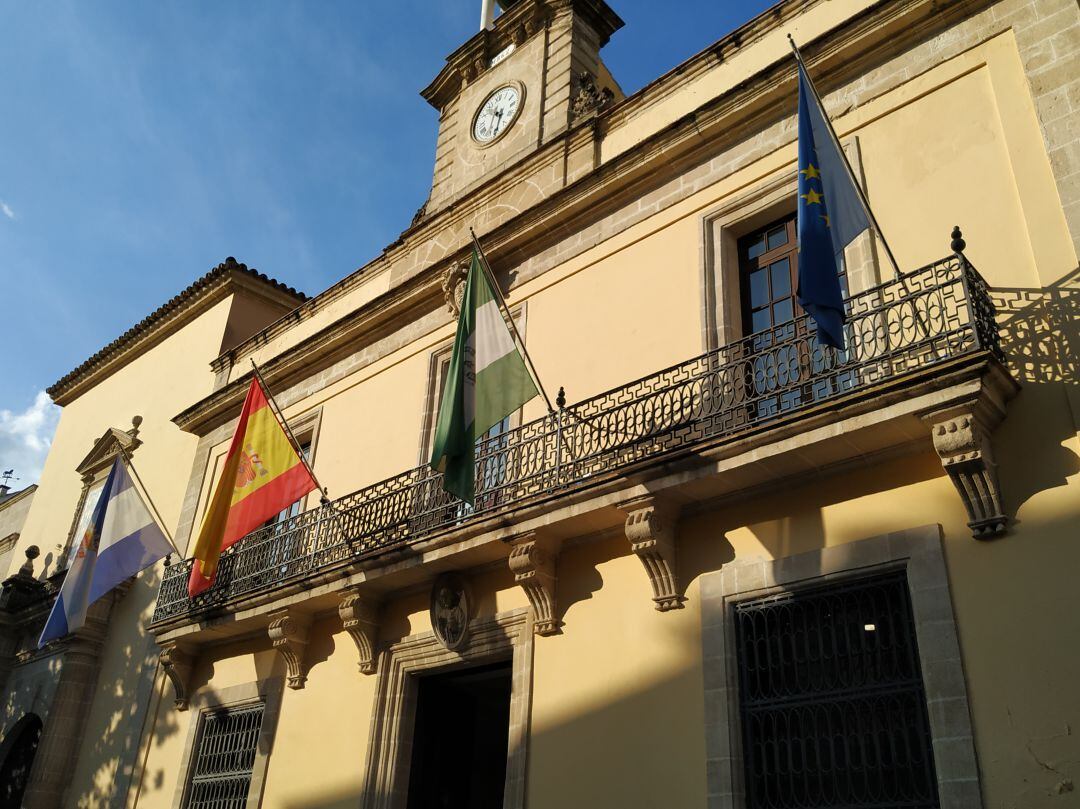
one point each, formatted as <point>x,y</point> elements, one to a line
<point>18,759</point>
<point>460,740</point>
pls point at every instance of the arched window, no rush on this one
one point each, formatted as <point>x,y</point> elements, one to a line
<point>18,749</point>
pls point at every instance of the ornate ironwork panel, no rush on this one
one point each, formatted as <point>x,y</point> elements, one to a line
<point>224,758</point>
<point>831,699</point>
<point>922,319</point>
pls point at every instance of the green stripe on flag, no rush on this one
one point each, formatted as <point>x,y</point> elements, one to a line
<point>486,382</point>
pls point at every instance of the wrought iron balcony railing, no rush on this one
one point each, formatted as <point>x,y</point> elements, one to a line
<point>925,318</point>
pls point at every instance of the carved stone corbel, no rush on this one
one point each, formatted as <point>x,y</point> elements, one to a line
<point>532,560</point>
<point>289,634</point>
<point>360,617</point>
<point>962,440</point>
<point>178,663</point>
<point>650,528</point>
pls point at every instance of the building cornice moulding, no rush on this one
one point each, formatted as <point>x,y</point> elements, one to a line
<point>228,277</point>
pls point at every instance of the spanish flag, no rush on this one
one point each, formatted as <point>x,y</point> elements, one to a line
<point>262,476</point>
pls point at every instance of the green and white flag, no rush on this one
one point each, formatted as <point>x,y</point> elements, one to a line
<point>487,381</point>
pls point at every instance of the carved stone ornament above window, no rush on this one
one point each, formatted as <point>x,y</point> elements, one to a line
<point>106,448</point>
<point>454,287</point>
<point>450,605</point>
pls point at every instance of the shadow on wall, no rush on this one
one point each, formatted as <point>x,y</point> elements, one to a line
<point>1040,334</point>
<point>126,688</point>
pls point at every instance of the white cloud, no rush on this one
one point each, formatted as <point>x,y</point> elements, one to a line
<point>25,438</point>
<point>5,209</point>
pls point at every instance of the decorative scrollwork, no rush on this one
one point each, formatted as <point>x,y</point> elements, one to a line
<point>650,528</point>
<point>177,663</point>
<point>288,633</point>
<point>533,564</point>
<point>963,444</point>
<point>589,98</point>
<point>360,618</point>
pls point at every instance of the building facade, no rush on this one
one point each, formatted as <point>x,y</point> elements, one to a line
<point>727,566</point>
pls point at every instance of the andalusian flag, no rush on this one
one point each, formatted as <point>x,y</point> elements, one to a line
<point>487,381</point>
<point>262,476</point>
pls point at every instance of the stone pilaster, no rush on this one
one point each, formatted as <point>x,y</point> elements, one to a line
<point>79,662</point>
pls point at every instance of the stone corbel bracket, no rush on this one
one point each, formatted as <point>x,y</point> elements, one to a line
<point>532,561</point>
<point>360,618</point>
<point>178,663</point>
<point>961,436</point>
<point>289,634</point>
<point>650,528</point>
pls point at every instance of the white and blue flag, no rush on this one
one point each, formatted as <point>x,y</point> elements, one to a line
<point>121,539</point>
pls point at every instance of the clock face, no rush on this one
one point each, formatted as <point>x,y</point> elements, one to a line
<point>497,113</point>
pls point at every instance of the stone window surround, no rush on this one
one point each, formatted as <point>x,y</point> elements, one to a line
<point>307,425</point>
<point>721,229</point>
<point>506,635</point>
<point>436,357</point>
<point>916,550</point>
<point>269,693</point>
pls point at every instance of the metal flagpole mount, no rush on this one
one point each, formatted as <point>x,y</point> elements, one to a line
<point>486,268</point>
<point>324,497</point>
<point>843,156</point>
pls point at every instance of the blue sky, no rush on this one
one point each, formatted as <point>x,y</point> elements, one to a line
<point>143,142</point>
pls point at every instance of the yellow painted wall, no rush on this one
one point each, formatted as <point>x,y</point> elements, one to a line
<point>618,698</point>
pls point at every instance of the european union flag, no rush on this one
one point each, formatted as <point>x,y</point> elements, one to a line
<point>830,216</point>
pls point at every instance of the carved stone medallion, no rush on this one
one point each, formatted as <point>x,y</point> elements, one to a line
<point>450,610</point>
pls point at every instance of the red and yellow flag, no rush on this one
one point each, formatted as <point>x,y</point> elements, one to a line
<point>262,476</point>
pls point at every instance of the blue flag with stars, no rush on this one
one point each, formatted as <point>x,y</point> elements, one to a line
<point>830,216</point>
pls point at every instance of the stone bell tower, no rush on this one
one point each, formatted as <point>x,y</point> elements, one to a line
<point>529,74</point>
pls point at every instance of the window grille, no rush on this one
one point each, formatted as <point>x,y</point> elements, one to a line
<point>225,755</point>
<point>831,699</point>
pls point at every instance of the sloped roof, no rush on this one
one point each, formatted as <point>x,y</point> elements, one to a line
<point>218,276</point>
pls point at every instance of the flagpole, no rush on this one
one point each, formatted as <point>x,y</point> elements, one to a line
<point>851,172</point>
<point>513,326</point>
<point>149,501</point>
<point>324,499</point>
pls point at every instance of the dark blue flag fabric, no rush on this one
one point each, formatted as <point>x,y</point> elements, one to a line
<point>830,216</point>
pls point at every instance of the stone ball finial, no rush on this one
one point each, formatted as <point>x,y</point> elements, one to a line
<point>958,244</point>
<point>32,553</point>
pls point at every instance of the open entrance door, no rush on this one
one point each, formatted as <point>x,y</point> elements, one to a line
<point>460,739</point>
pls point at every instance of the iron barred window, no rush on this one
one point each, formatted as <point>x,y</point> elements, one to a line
<point>224,757</point>
<point>831,699</point>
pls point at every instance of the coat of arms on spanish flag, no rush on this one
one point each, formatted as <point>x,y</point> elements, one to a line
<point>262,476</point>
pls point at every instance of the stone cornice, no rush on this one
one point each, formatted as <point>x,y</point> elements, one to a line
<point>761,99</point>
<point>212,287</point>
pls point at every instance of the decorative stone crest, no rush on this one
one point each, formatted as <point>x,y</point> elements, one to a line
<point>962,441</point>
<point>532,561</point>
<point>453,287</point>
<point>178,663</point>
<point>650,528</point>
<point>449,610</point>
<point>289,635</point>
<point>360,618</point>
<point>589,98</point>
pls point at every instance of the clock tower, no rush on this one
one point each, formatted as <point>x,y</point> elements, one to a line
<point>527,76</point>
